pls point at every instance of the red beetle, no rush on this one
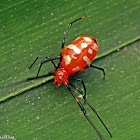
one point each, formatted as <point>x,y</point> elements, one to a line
<point>74,58</point>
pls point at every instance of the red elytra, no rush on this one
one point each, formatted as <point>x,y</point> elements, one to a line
<point>75,57</point>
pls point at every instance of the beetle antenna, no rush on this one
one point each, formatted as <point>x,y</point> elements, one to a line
<point>91,108</point>
<point>98,117</point>
<point>84,112</point>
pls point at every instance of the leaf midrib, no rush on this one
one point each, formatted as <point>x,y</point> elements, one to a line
<point>51,77</point>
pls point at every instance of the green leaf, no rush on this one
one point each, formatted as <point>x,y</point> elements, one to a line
<point>36,28</point>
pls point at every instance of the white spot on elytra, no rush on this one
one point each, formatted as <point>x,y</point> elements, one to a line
<point>67,59</point>
<point>96,47</point>
<point>84,45</point>
<point>77,38</point>
<point>87,39</point>
<point>90,51</point>
<point>73,47</point>
<point>76,68</point>
<point>85,58</point>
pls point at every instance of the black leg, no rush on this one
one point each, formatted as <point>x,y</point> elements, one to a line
<point>47,58</point>
<point>50,59</point>
<point>84,95</point>
<point>29,79</point>
<point>85,114</point>
<point>38,77</point>
<point>63,42</point>
<point>91,108</point>
<point>96,68</point>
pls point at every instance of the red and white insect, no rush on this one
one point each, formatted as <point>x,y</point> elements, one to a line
<point>74,58</point>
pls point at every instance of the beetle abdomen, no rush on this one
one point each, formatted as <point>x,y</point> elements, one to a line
<point>79,54</point>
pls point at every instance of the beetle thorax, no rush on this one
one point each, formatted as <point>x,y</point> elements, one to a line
<point>61,75</point>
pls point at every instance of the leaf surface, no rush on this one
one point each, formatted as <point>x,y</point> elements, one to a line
<point>36,28</point>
